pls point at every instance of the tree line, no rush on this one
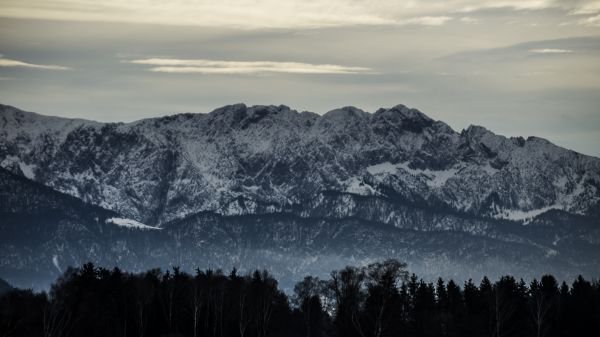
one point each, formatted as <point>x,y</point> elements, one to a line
<point>377,300</point>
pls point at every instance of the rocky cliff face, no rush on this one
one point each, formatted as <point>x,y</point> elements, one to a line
<point>260,173</point>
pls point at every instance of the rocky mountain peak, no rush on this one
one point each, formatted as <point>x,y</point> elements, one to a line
<point>476,131</point>
<point>405,118</point>
<point>229,115</point>
<point>257,113</point>
<point>240,116</point>
<point>346,112</point>
<point>343,119</point>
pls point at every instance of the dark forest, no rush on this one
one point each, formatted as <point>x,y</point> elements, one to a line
<point>378,300</point>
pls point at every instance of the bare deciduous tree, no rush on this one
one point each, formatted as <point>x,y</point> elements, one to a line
<point>382,281</point>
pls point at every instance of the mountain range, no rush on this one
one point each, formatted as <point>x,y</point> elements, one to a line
<point>294,192</point>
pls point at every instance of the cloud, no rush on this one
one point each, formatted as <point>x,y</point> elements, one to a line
<point>515,5</point>
<point>593,21</point>
<point>202,66</point>
<point>248,14</point>
<point>469,20</point>
<point>584,47</point>
<point>428,20</point>
<point>550,51</point>
<point>252,14</point>
<point>572,7</point>
<point>586,8</point>
<point>4,62</point>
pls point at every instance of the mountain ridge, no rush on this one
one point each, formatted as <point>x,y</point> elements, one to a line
<point>4,108</point>
<point>256,152</point>
<point>403,109</point>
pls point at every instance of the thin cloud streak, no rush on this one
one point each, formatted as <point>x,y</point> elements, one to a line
<point>428,20</point>
<point>203,66</point>
<point>4,62</point>
<point>550,51</point>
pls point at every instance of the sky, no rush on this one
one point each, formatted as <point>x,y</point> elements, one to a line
<point>519,68</point>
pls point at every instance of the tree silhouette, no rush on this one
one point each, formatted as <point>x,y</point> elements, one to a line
<point>307,296</point>
<point>376,300</point>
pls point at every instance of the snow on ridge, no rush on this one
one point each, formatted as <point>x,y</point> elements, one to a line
<point>129,223</point>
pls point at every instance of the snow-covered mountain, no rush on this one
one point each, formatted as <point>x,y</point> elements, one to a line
<point>300,192</point>
<point>262,159</point>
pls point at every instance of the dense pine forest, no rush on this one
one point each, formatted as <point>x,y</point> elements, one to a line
<point>378,300</point>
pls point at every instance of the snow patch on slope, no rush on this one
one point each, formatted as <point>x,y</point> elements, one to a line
<point>385,167</point>
<point>518,215</point>
<point>55,263</point>
<point>433,178</point>
<point>27,170</point>
<point>357,186</point>
<point>129,223</point>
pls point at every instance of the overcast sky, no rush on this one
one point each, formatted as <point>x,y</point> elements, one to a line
<point>516,67</point>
